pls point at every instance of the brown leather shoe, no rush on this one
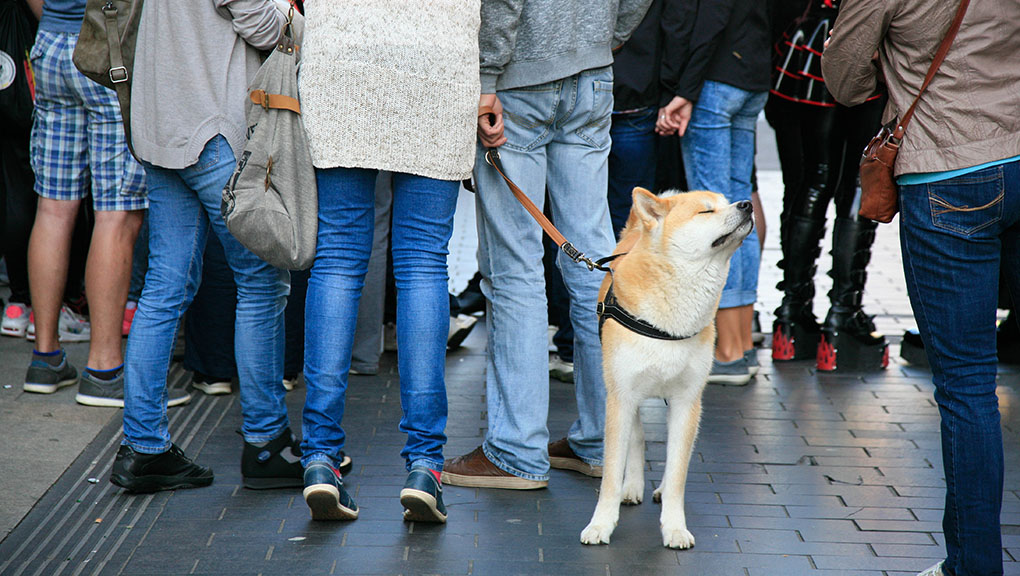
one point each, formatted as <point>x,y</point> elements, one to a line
<point>474,470</point>
<point>562,456</point>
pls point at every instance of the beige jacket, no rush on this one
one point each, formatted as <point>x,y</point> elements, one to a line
<point>970,113</point>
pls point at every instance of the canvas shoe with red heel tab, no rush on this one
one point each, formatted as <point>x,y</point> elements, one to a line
<point>325,495</point>
<point>422,496</point>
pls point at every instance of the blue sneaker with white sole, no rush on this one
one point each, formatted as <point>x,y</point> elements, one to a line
<point>422,496</point>
<point>325,495</point>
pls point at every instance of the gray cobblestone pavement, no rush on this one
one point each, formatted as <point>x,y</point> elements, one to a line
<point>798,473</point>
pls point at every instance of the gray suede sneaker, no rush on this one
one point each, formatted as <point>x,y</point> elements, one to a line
<point>45,379</point>
<point>751,357</point>
<point>94,391</point>
<point>734,373</point>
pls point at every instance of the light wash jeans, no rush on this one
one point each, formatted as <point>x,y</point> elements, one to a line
<point>718,152</point>
<point>558,138</point>
<point>422,225</point>
<point>184,205</point>
<point>958,237</point>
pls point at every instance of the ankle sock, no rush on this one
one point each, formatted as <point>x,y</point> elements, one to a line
<point>105,375</point>
<point>54,358</point>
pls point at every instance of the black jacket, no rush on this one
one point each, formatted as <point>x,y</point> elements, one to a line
<point>636,65</point>
<point>728,43</point>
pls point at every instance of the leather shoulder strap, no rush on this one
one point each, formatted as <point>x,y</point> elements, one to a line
<point>940,55</point>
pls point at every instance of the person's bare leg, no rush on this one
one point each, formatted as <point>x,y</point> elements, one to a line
<point>759,219</point>
<point>730,328</point>
<point>107,280</point>
<point>49,251</point>
<point>746,321</point>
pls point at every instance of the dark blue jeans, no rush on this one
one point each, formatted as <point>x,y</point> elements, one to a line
<point>956,236</point>
<point>631,161</point>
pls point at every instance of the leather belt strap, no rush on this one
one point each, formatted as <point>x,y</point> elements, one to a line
<point>275,101</point>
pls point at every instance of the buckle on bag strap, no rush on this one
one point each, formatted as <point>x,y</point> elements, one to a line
<point>118,74</point>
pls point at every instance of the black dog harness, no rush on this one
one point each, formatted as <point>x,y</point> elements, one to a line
<point>609,307</point>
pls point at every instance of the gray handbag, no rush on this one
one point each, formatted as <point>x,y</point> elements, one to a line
<point>270,204</point>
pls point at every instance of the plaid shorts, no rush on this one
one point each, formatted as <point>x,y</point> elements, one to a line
<point>78,142</point>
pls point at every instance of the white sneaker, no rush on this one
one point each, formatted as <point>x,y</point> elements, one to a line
<point>561,369</point>
<point>290,383</point>
<point>71,327</point>
<point>460,327</point>
<point>16,320</point>
<point>935,570</point>
<point>210,385</point>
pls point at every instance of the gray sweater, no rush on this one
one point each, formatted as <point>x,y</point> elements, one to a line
<point>193,63</point>
<point>531,42</point>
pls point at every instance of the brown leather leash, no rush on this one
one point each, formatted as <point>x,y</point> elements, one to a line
<point>608,307</point>
<point>492,159</point>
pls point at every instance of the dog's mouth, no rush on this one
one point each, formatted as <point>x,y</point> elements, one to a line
<point>747,222</point>
<point>721,240</point>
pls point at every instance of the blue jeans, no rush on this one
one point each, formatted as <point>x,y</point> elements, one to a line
<point>558,137</point>
<point>631,161</point>
<point>184,205</point>
<point>422,225</point>
<point>718,152</point>
<point>952,259</point>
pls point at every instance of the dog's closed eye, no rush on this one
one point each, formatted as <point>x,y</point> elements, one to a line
<point>711,211</point>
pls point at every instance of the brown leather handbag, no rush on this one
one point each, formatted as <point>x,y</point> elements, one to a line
<point>879,195</point>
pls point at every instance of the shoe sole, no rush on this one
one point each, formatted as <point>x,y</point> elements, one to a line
<point>99,401</point>
<point>323,501</point>
<point>150,484</point>
<point>576,465</point>
<point>732,380</point>
<point>502,482</point>
<point>213,389</point>
<point>14,332</point>
<point>346,465</point>
<point>38,388</point>
<point>420,506</point>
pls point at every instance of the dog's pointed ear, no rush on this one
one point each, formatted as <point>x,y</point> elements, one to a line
<point>649,210</point>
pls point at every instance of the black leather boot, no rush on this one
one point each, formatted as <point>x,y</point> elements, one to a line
<point>849,340</point>
<point>795,332</point>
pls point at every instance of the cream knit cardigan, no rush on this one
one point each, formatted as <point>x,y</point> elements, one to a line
<point>391,85</point>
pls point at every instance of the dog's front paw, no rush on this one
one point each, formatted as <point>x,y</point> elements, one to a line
<point>677,537</point>
<point>597,533</point>
<point>632,494</point>
<point>657,495</point>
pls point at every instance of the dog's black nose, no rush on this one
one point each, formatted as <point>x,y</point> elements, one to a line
<point>744,206</point>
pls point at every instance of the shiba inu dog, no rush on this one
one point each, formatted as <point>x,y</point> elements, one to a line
<point>675,256</point>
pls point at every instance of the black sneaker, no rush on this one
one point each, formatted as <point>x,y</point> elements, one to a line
<point>422,497</point>
<point>137,472</point>
<point>325,495</point>
<point>94,391</point>
<point>274,464</point>
<point>45,379</point>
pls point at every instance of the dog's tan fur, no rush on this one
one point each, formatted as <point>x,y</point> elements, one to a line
<point>672,276</point>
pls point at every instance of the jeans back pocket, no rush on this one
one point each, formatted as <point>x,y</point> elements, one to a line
<point>968,203</point>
